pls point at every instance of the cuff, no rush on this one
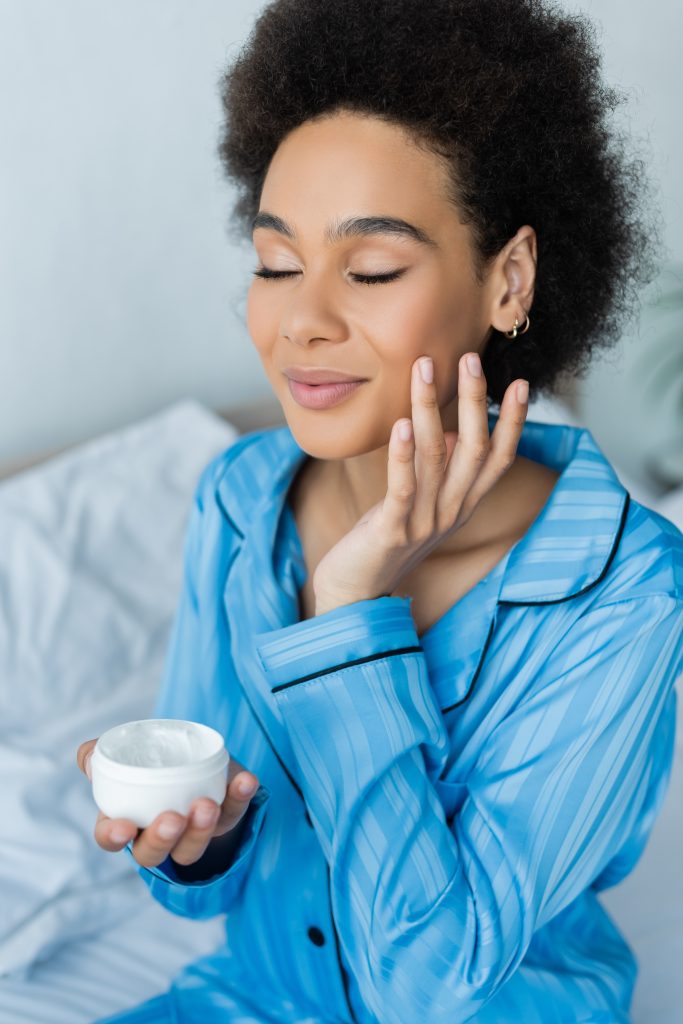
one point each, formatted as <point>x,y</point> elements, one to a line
<point>253,817</point>
<point>344,636</point>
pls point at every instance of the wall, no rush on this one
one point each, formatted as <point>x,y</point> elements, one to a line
<point>633,407</point>
<point>119,288</point>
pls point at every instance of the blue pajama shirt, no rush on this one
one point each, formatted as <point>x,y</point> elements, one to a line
<point>437,813</point>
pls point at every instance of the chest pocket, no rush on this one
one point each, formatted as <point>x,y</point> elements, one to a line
<point>452,796</point>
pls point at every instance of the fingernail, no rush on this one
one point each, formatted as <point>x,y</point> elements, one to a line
<point>88,770</point>
<point>169,829</point>
<point>522,390</point>
<point>427,369</point>
<point>245,788</point>
<point>473,365</point>
<point>204,817</point>
<point>119,834</point>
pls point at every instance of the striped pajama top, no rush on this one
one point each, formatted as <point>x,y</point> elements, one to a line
<point>436,814</point>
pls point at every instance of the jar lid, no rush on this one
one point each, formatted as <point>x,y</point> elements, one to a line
<point>154,750</point>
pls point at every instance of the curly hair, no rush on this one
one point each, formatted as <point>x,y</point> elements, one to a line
<point>509,94</point>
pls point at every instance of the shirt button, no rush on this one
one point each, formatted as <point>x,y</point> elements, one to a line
<point>316,936</point>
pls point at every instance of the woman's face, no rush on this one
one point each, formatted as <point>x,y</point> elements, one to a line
<point>323,173</point>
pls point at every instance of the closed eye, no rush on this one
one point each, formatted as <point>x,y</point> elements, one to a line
<point>270,275</point>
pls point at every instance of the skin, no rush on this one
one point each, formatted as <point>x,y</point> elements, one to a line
<point>354,165</point>
<point>439,492</point>
<point>184,837</point>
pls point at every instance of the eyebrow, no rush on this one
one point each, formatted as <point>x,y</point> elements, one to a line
<point>352,227</point>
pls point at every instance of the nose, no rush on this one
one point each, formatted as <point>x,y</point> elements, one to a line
<point>313,311</point>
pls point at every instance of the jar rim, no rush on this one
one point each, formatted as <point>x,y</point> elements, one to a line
<point>214,761</point>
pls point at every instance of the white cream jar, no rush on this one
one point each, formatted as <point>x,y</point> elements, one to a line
<point>140,769</point>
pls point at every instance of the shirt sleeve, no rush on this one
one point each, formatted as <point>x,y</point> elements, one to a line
<point>435,906</point>
<point>180,696</point>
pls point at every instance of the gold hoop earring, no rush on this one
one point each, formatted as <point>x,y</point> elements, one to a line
<point>514,332</point>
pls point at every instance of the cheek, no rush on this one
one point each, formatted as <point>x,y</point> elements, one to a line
<point>427,321</point>
<point>260,321</point>
<point>417,321</point>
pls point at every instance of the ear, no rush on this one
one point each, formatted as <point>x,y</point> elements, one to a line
<point>511,280</point>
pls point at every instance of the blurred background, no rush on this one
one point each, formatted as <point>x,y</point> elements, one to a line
<point>120,290</point>
<point>122,331</point>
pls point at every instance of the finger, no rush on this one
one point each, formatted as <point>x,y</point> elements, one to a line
<point>234,768</point>
<point>155,842</point>
<point>451,437</point>
<point>207,819</point>
<point>83,755</point>
<point>473,444</point>
<point>201,826</point>
<point>483,462</point>
<point>430,445</point>
<point>238,795</point>
<point>113,834</point>
<point>503,444</point>
<point>401,483</point>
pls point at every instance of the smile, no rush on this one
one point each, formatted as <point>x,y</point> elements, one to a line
<point>321,396</point>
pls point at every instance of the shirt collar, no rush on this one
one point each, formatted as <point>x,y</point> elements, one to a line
<point>566,550</point>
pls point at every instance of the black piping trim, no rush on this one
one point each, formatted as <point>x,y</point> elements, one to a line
<point>270,744</point>
<point>337,948</point>
<point>476,673</point>
<point>228,517</point>
<point>240,444</point>
<point>347,664</point>
<point>295,785</point>
<point>260,723</point>
<point>160,878</point>
<point>558,600</point>
<point>589,586</point>
<point>231,459</point>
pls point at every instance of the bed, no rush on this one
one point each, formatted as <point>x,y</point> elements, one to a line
<point>90,570</point>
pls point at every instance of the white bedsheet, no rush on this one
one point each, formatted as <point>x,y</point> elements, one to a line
<point>109,972</point>
<point>136,959</point>
<point>90,570</point>
<point>105,531</point>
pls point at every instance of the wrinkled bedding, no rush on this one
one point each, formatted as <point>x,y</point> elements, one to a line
<point>90,570</point>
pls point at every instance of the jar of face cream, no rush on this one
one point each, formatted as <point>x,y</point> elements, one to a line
<point>140,769</point>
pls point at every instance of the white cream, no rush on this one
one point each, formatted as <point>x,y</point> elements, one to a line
<point>156,744</point>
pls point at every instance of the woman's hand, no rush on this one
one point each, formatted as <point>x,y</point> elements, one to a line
<point>184,838</point>
<point>435,481</point>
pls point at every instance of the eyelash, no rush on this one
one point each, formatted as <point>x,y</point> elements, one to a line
<point>270,275</point>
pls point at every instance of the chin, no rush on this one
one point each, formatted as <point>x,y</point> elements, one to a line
<point>329,438</point>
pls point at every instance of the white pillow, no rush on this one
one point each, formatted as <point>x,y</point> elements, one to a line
<point>90,573</point>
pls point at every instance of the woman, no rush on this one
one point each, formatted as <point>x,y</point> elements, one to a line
<point>443,656</point>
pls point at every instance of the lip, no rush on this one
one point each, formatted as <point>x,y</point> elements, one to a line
<point>318,375</point>
<point>321,396</point>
